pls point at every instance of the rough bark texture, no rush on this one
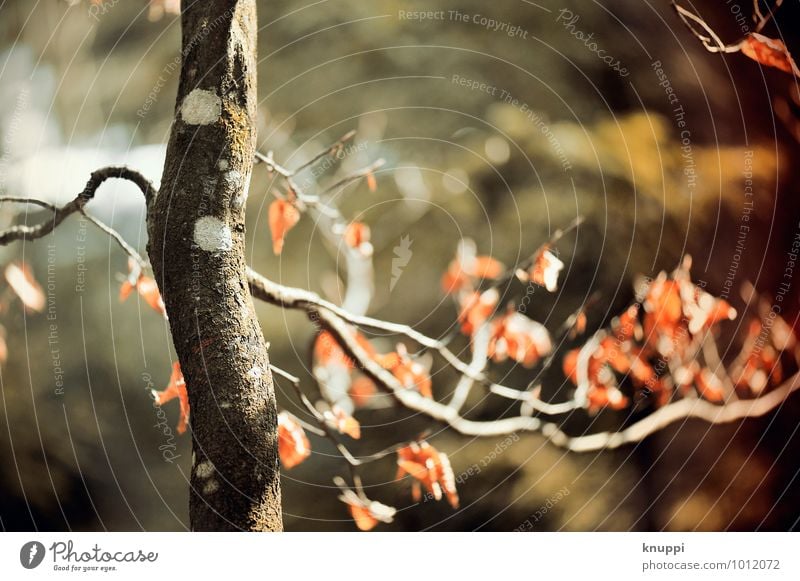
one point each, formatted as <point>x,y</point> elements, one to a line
<point>196,246</point>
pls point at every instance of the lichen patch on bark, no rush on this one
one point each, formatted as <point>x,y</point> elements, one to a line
<point>201,107</point>
<point>212,234</point>
<point>204,469</point>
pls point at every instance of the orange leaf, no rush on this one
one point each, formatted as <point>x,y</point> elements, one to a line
<point>709,386</point>
<point>770,52</point>
<point>363,517</point>
<point>570,365</point>
<point>365,512</point>
<point>293,445</point>
<point>20,278</point>
<point>407,371</point>
<point>145,286</point>
<point>627,327</point>
<point>454,280</point>
<point>125,291</point>
<point>579,326</point>
<point>3,345</point>
<point>431,468</point>
<point>600,396</point>
<point>356,236</point>
<point>486,267</point>
<point>343,422</point>
<point>361,391</point>
<point>176,389</point>
<point>328,352</point>
<point>158,8</point>
<point>413,469</point>
<point>545,270</point>
<point>464,270</point>
<point>283,216</point>
<point>148,290</point>
<point>517,337</point>
<point>476,308</point>
<point>372,183</point>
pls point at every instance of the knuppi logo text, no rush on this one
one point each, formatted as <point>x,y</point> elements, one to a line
<point>67,557</point>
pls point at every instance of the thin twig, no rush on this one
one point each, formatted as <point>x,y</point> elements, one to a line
<point>330,150</point>
<point>713,43</point>
<point>356,175</point>
<point>679,410</point>
<point>77,205</point>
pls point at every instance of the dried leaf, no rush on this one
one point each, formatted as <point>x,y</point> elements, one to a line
<point>410,373</point>
<point>148,290</point>
<point>145,286</point>
<point>365,512</point>
<point>467,269</point>
<point>476,308</point>
<point>283,216</point>
<point>356,236</point>
<point>159,8</point>
<point>517,337</point>
<point>372,183</point>
<point>486,267</point>
<point>709,386</point>
<point>328,351</point>
<point>361,391</point>
<point>431,468</point>
<point>3,345</point>
<point>343,422</point>
<point>20,278</point>
<point>600,396</point>
<point>176,388</point>
<point>293,444</point>
<point>125,290</point>
<point>770,52</point>
<point>544,271</point>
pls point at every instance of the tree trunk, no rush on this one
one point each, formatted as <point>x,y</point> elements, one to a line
<point>196,247</point>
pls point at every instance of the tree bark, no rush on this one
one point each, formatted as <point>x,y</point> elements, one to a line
<point>196,247</point>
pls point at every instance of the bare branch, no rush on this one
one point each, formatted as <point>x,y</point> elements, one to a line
<point>480,357</point>
<point>356,175</point>
<point>710,40</point>
<point>330,150</point>
<point>762,19</point>
<point>683,409</point>
<point>325,430</point>
<point>295,298</point>
<point>25,232</point>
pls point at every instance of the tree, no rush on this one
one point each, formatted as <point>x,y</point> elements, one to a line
<point>659,356</point>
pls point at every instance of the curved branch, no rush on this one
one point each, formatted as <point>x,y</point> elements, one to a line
<point>713,43</point>
<point>25,232</point>
<point>116,236</point>
<point>294,298</point>
<point>329,316</point>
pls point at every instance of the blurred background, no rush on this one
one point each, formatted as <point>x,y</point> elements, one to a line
<point>497,132</point>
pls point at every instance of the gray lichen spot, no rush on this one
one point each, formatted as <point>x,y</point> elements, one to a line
<point>210,487</point>
<point>204,470</point>
<point>212,235</point>
<point>222,164</point>
<point>233,179</point>
<point>201,107</point>
<point>240,199</point>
